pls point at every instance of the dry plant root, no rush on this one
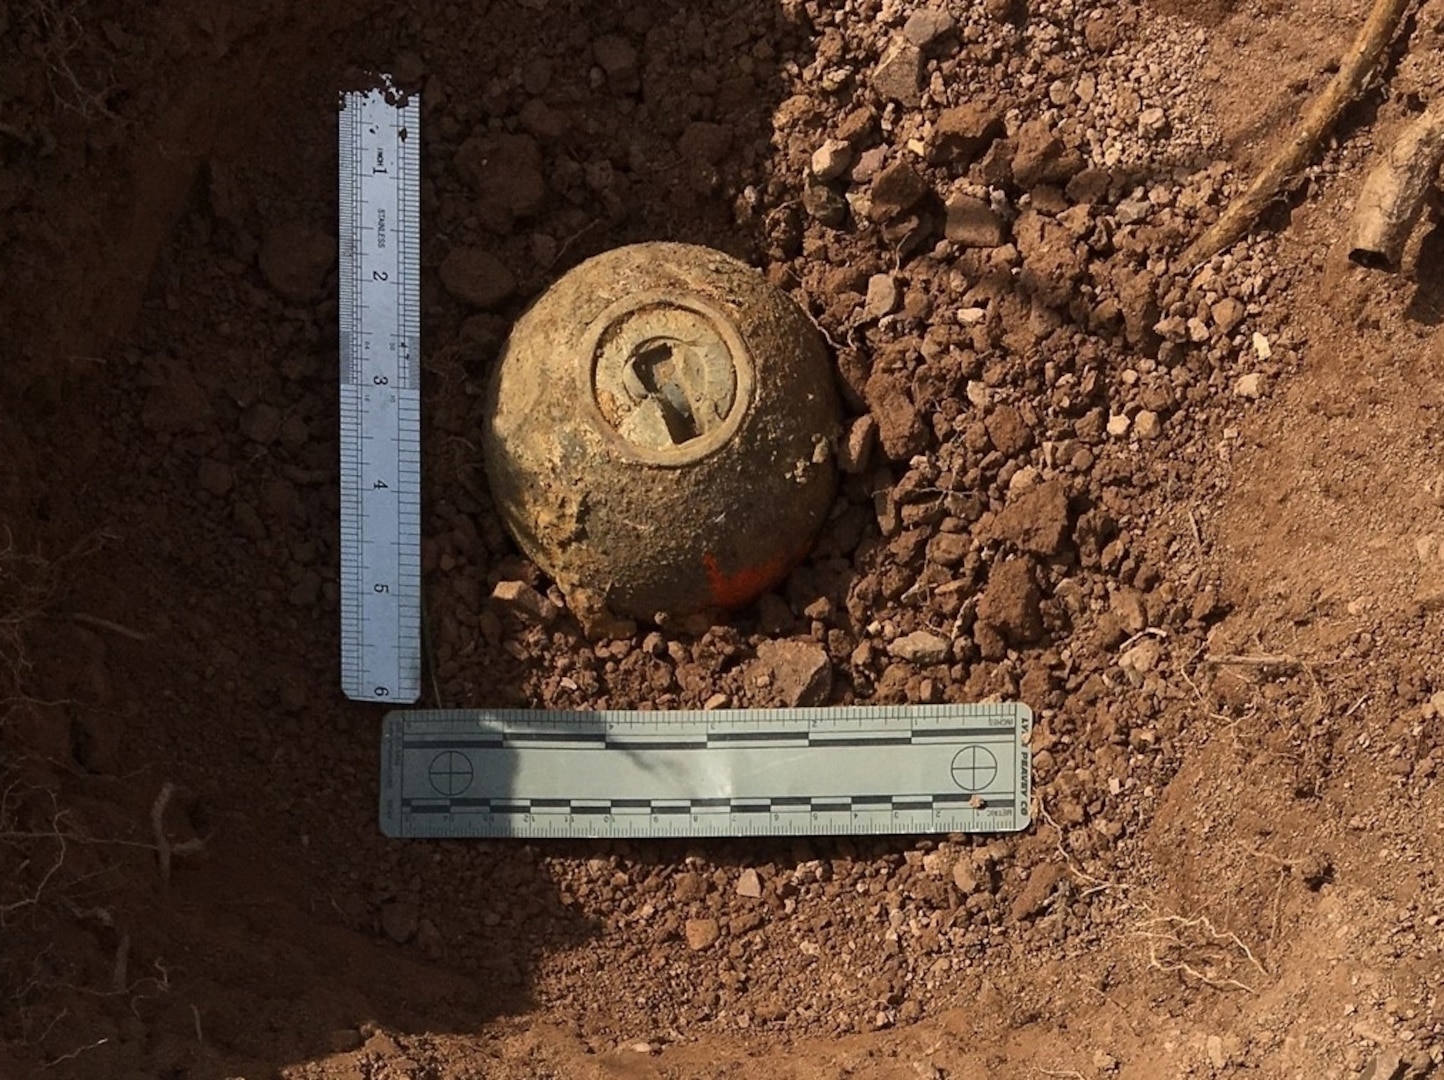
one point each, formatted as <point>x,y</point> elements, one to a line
<point>1393,193</point>
<point>1355,67</point>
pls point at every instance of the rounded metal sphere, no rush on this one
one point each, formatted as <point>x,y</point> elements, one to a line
<point>660,432</point>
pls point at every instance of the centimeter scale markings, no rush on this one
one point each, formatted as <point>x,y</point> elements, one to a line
<point>380,232</point>
<point>743,772</point>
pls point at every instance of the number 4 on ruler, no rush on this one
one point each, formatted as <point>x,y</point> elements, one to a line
<point>380,231</point>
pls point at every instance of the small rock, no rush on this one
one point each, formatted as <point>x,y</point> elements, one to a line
<point>965,877</point>
<point>1127,604</point>
<point>477,277</point>
<point>869,163</point>
<point>1133,211</point>
<point>1141,659</point>
<point>971,222</point>
<point>961,134</point>
<point>215,477</point>
<point>855,453</point>
<point>1010,602</point>
<point>896,190</point>
<point>1250,386</point>
<point>1147,425</point>
<point>831,159</point>
<point>702,933</point>
<point>1213,1046</point>
<point>900,430</point>
<point>882,296</point>
<point>689,886</point>
<point>824,205</point>
<point>1008,431</point>
<point>1227,314</point>
<point>898,75</point>
<point>949,549</point>
<point>524,602</point>
<point>1003,10</point>
<point>1153,121</point>
<point>1037,892</point>
<point>295,260</point>
<point>1118,425</point>
<point>926,26</point>
<point>1039,156</point>
<point>920,647</point>
<point>1036,520</point>
<point>1104,1062</point>
<point>1198,331</point>
<point>1261,347</point>
<point>749,884</point>
<point>399,920</point>
<point>801,672</point>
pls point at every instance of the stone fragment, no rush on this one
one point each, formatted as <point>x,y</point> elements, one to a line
<point>831,159</point>
<point>961,134</point>
<point>882,296</point>
<point>524,602</point>
<point>927,26</point>
<point>920,647</point>
<point>1037,892</point>
<point>971,222</point>
<point>800,672</point>
<point>749,884</point>
<point>1250,386</point>
<point>702,933</point>
<point>855,453</point>
<point>896,190</point>
<point>898,75</point>
<point>1036,520</point>
<point>1010,602</point>
<point>1040,157</point>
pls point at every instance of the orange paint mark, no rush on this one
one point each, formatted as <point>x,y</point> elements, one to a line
<point>732,590</point>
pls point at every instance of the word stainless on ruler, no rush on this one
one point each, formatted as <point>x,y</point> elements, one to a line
<point>380,231</point>
<point>743,772</point>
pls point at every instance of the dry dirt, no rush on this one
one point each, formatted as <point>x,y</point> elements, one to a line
<point>1194,518</point>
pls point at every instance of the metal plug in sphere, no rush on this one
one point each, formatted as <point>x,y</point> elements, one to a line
<point>660,432</point>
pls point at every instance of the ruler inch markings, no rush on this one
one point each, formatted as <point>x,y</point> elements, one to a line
<point>536,774</point>
<point>380,429</point>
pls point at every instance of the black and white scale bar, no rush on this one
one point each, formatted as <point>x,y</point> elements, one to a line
<point>876,769</point>
<point>380,437</point>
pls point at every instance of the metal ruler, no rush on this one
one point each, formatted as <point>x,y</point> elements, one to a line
<point>744,772</point>
<point>380,229</point>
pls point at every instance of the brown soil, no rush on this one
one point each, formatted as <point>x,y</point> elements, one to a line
<point>1196,521</point>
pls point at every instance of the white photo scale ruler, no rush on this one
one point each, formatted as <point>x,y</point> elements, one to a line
<point>380,233</point>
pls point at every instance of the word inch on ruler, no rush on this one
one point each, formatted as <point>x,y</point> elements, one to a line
<point>380,232</point>
<point>747,772</point>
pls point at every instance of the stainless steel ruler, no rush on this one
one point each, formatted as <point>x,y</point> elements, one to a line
<point>380,231</point>
<point>745,772</point>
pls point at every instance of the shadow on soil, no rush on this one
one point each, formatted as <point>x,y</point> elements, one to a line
<point>199,448</point>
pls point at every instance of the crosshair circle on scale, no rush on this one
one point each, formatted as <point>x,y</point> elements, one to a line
<point>974,768</point>
<point>450,773</point>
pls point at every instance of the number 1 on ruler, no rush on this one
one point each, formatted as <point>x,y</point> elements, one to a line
<point>380,398</point>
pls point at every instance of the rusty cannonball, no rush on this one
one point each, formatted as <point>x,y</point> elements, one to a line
<point>660,432</point>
